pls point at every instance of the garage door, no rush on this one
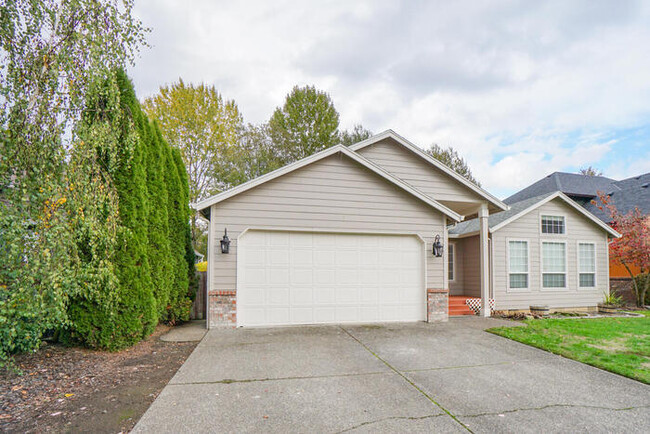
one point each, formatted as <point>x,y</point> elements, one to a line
<point>318,278</point>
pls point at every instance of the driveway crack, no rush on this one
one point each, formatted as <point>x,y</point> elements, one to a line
<point>255,380</point>
<point>512,362</point>
<point>370,422</point>
<point>415,386</point>
<point>543,407</point>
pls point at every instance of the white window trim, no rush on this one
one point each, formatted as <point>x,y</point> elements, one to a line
<point>541,265</point>
<point>508,288</point>
<point>553,214</point>
<point>586,288</point>
<point>453,264</point>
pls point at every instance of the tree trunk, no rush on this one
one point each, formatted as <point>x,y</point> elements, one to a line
<point>646,286</point>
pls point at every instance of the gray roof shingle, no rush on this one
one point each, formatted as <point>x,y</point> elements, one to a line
<point>625,194</point>
<point>571,184</point>
<point>634,195</point>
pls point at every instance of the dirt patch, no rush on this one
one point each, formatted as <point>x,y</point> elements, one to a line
<point>613,345</point>
<point>77,390</point>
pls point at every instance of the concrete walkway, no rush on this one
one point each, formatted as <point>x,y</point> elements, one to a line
<point>191,331</point>
<point>418,377</point>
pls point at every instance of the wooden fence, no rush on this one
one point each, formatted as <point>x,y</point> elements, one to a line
<point>198,307</point>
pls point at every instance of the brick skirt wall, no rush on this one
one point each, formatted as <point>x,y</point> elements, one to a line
<point>437,305</point>
<point>223,308</point>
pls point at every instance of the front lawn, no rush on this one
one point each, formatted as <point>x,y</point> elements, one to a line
<point>620,345</point>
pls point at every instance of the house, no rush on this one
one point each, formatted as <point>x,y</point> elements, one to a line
<point>626,195</point>
<point>366,234</point>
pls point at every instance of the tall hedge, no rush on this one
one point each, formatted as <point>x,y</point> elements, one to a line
<point>131,314</point>
<point>158,218</point>
<point>190,256</point>
<point>178,221</point>
<point>136,308</point>
<point>151,259</point>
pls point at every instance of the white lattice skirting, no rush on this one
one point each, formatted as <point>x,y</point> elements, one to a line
<point>475,304</point>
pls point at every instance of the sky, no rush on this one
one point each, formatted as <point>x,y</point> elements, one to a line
<point>519,88</point>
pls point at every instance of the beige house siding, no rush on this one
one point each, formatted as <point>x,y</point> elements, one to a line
<point>527,227</point>
<point>414,170</point>
<point>468,271</point>
<point>333,194</point>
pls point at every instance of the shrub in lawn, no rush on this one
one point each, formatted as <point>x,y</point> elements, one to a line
<point>611,299</point>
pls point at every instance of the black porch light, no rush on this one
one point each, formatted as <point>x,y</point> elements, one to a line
<point>225,242</point>
<point>437,247</point>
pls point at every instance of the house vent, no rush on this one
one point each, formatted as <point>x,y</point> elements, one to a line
<point>644,185</point>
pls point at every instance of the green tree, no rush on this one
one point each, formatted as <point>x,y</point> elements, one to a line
<point>305,124</point>
<point>591,171</point>
<point>254,155</point>
<point>95,223</point>
<point>185,297</point>
<point>136,312</point>
<point>178,308</point>
<point>51,53</point>
<point>132,313</point>
<point>197,120</point>
<point>158,219</point>
<point>450,158</point>
<point>357,134</point>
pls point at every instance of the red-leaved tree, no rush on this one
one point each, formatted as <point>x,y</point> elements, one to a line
<point>633,248</point>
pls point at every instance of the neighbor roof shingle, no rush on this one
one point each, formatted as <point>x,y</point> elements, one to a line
<point>634,195</point>
<point>571,184</point>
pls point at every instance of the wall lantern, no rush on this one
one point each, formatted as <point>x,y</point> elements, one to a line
<point>225,242</point>
<point>437,247</point>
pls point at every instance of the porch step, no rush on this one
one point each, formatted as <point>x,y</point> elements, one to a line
<point>458,306</point>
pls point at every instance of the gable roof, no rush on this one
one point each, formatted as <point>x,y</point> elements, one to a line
<point>571,184</point>
<point>422,154</point>
<point>202,205</point>
<point>521,208</point>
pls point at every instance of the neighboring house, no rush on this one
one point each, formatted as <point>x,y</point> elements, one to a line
<point>348,235</point>
<point>626,195</point>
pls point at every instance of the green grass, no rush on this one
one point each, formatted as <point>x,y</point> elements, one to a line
<point>620,345</point>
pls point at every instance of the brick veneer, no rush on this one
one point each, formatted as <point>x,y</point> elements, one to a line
<point>437,305</point>
<point>223,308</point>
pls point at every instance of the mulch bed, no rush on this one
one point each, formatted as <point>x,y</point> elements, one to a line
<point>75,389</point>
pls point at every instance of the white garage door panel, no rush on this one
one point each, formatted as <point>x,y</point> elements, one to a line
<point>315,278</point>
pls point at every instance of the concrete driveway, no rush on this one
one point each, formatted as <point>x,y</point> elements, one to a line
<point>451,377</point>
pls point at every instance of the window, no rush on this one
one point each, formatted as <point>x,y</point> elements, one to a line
<point>518,264</point>
<point>451,258</point>
<point>586,265</point>
<point>552,224</point>
<point>553,265</point>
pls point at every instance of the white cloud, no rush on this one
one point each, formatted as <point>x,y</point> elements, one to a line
<point>520,88</point>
